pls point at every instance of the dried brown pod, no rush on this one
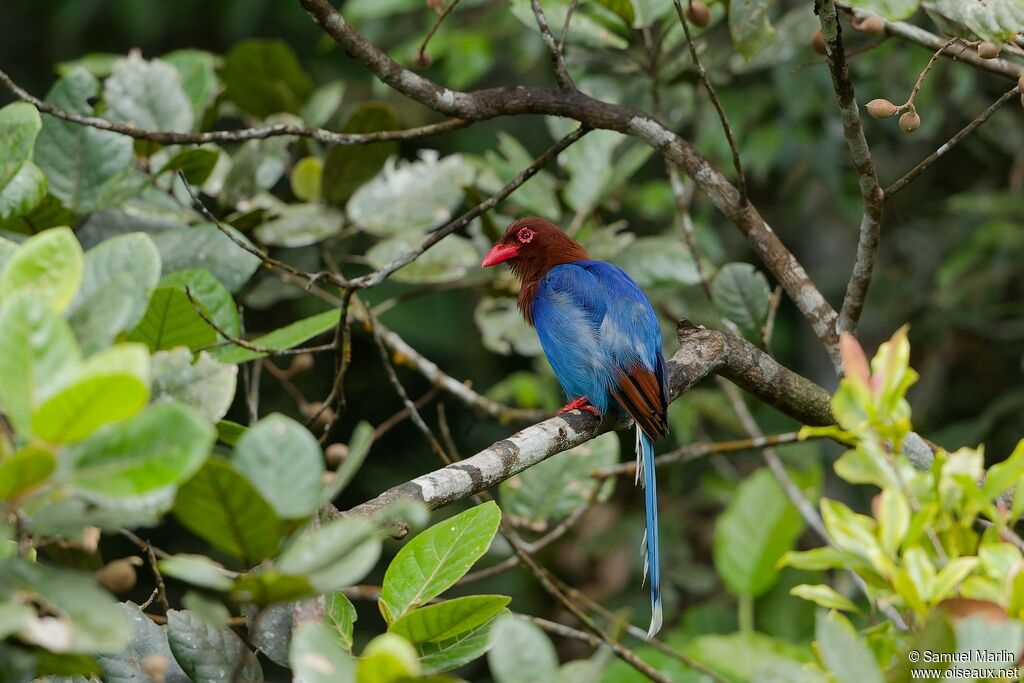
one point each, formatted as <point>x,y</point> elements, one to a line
<point>117,576</point>
<point>988,50</point>
<point>423,59</point>
<point>871,24</point>
<point>155,667</point>
<point>818,42</point>
<point>1020,84</point>
<point>881,108</point>
<point>698,14</point>
<point>302,362</point>
<point>437,6</point>
<point>910,122</point>
<point>335,454</point>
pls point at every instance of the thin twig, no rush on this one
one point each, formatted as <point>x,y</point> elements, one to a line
<point>396,419</point>
<point>561,74</point>
<point>741,182</point>
<point>342,356</point>
<point>951,143</point>
<point>421,53</point>
<point>565,26</point>
<point>239,135</point>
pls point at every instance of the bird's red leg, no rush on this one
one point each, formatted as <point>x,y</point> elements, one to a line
<point>580,403</point>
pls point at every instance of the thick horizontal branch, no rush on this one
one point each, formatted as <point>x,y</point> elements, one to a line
<point>593,113</point>
<point>257,133</point>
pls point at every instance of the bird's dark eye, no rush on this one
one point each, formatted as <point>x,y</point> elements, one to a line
<point>524,235</point>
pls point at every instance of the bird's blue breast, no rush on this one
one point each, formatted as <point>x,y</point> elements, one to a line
<point>593,320</point>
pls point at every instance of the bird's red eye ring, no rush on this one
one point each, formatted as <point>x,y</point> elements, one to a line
<point>524,235</point>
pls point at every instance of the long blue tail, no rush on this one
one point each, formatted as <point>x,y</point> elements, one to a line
<point>651,548</point>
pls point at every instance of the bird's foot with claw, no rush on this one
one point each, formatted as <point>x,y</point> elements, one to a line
<point>579,404</point>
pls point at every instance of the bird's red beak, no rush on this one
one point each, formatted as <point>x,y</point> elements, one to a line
<point>500,253</point>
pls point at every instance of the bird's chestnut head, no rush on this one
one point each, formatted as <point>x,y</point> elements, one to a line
<point>532,245</point>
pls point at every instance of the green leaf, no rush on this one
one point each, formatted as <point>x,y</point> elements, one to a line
<point>623,8</point>
<point>653,261</point>
<point>172,320</point>
<point>148,642</point>
<point>358,448</point>
<point>264,77</point>
<point>88,169</point>
<point>306,178</point>
<point>120,276</point>
<point>299,225</point>
<point>24,193</point>
<point>749,26</point>
<point>411,196</point>
<point>48,267</point>
<point>316,656</point>
<point>147,95</point>
<point>211,294</point>
<point>757,527</point>
<point>550,491</point>
<point>536,196</point>
<point>1005,474</point>
<point>502,328</point>
<point>448,619</point>
<point>323,104</point>
<point>264,587</point>
<point>995,20</point>
<point>455,652</point>
<point>893,10</point>
<point>741,294</point>
<point>284,462</point>
<point>63,511</point>
<point>739,656</point>
<point>209,653</point>
<point>38,354</point>
<point>24,470</point>
<point>206,247</point>
<point>110,386</point>
<point>846,655</point>
<point>334,556</point>
<point>205,384</point>
<point>511,637</point>
<point>220,506</point>
<point>79,615</point>
<point>448,261</point>
<point>19,126</point>
<point>340,616</point>
<point>286,337</point>
<point>589,163</point>
<point>893,519</point>
<point>270,629</point>
<point>346,167</point>
<point>823,595</point>
<point>198,78</point>
<point>387,659</point>
<point>817,559</point>
<point>197,164</point>
<point>437,558</point>
<point>257,166</point>
<point>197,570</point>
<point>585,29</point>
<point>161,447</point>
<point>947,581</point>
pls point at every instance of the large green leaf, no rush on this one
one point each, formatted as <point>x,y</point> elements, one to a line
<point>286,337</point>
<point>299,225</point>
<point>741,294</point>
<point>549,491</point>
<point>448,619</point>
<point>502,328</point>
<point>196,163</point>
<point>844,653</point>
<point>284,462</point>
<point>388,659</point>
<point>110,386</point>
<point>335,556</point>
<point>749,26</point>
<point>893,10</point>
<point>340,616</point>
<point>172,320</point>
<point>447,261</point>
<point>205,384</point>
<point>161,447</point>
<point>220,505</point>
<point>198,570</point>
<point>437,558</point>
<point>655,261</point>
<point>48,267</point>
<point>264,77</point>
<point>147,95</point>
<point>257,166</point>
<point>206,247</point>
<point>586,28</point>
<point>349,166</point>
<point>210,654</point>
<point>148,642</point>
<point>995,20</point>
<point>24,193</point>
<point>512,636</point>
<point>19,126</point>
<point>197,75</point>
<point>740,656</point>
<point>78,615</point>
<point>757,527</point>
<point>38,354</point>
<point>455,652</point>
<point>24,469</point>
<point>88,169</point>
<point>589,163</point>
<point>536,195</point>
<point>411,196</point>
<point>211,294</point>
<point>317,657</point>
<point>120,276</point>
